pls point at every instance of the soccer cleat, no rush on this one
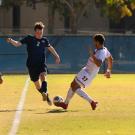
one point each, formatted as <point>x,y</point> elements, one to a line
<point>62,105</point>
<point>49,100</point>
<point>44,96</point>
<point>93,105</point>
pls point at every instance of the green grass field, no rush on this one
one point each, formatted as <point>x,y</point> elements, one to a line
<point>115,114</point>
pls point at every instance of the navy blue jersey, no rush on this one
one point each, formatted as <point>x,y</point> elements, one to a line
<point>36,49</point>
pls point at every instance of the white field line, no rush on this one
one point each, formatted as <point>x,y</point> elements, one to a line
<point>19,110</point>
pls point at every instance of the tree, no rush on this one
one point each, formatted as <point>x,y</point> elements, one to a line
<point>121,14</point>
<point>116,9</point>
<point>10,3</point>
<point>74,10</point>
<point>53,5</point>
<point>15,4</point>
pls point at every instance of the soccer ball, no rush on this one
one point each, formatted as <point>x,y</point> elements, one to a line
<point>57,100</point>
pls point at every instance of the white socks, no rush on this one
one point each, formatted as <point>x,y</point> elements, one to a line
<point>80,92</point>
<point>84,95</point>
<point>70,94</point>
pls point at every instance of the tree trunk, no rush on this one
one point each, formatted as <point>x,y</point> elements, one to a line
<point>51,15</point>
<point>73,24</point>
<point>16,18</point>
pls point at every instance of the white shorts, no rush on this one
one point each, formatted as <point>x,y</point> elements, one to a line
<point>84,78</point>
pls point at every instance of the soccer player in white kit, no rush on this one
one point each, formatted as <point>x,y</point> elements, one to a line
<point>88,73</point>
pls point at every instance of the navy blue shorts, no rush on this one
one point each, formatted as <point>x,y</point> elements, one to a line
<point>35,71</point>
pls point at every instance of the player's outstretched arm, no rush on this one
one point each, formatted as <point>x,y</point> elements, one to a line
<point>57,58</point>
<point>109,68</point>
<point>14,42</point>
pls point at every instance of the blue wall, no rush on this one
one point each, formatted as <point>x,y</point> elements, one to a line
<point>74,54</point>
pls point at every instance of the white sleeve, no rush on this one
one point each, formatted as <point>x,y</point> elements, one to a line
<point>101,55</point>
<point>108,54</point>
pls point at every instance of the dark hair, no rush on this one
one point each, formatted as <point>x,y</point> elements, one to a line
<point>38,25</point>
<point>99,38</point>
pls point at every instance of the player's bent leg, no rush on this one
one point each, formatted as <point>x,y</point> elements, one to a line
<point>75,85</point>
<point>85,96</point>
<point>44,87</point>
<point>37,85</point>
<point>64,104</point>
<point>77,88</point>
<point>43,76</point>
<point>1,80</point>
<point>34,75</point>
<point>84,78</point>
<point>43,81</point>
<point>69,96</point>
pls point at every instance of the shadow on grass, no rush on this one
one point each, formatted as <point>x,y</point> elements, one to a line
<point>57,111</point>
<point>7,110</point>
<point>53,111</point>
<point>61,111</point>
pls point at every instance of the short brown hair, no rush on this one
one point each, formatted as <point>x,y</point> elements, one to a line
<point>99,38</point>
<point>39,25</point>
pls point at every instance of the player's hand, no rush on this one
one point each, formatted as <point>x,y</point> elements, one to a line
<point>57,60</point>
<point>8,40</point>
<point>108,74</point>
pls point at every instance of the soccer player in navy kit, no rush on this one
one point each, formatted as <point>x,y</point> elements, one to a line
<point>36,61</point>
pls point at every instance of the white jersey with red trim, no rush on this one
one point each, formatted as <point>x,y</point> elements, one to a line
<point>100,54</point>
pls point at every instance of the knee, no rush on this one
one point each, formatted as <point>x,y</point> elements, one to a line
<point>42,76</point>
<point>1,81</point>
<point>75,85</point>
